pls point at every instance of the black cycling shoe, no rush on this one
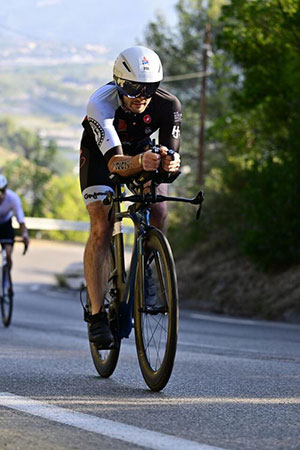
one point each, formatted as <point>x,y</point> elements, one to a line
<point>99,331</point>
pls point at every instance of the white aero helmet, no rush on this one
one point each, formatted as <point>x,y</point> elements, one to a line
<point>3,182</point>
<point>137,71</point>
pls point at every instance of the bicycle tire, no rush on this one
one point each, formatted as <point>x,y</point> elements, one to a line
<point>105,361</point>
<point>157,368</point>
<point>7,297</point>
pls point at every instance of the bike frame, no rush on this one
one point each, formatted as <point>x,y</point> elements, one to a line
<point>139,213</point>
<point>141,221</point>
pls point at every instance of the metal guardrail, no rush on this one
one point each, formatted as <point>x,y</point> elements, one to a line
<point>39,223</point>
<point>42,223</point>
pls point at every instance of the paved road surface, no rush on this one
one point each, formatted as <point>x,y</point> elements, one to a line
<point>44,260</point>
<point>235,383</point>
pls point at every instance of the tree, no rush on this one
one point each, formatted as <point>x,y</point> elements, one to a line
<point>261,133</point>
<point>30,172</point>
<point>28,144</point>
<point>63,200</point>
<point>30,181</point>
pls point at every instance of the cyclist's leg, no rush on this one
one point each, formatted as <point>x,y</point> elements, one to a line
<point>9,249</point>
<point>94,180</point>
<point>159,211</point>
<point>96,254</point>
<point>95,184</point>
<point>7,233</point>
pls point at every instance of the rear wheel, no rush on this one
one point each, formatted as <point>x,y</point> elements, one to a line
<point>105,361</point>
<point>156,327</point>
<point>7,297</point>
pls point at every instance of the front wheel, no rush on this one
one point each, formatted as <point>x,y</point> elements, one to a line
<point>105,361</point>
<point>156,325</point>
<point>7,297</point>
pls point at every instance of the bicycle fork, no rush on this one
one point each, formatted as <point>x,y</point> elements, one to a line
<point>127,282</point>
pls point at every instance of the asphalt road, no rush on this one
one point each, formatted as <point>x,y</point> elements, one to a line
<point>235,383</point>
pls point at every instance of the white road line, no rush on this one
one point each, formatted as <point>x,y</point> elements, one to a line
<point>234,320</point>
<point>109,428</point>
<point>218,347</point>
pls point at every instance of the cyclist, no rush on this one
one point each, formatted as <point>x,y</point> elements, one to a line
<point>10,204</point>
<point>121,116</point>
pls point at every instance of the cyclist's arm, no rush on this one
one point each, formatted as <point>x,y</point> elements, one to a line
<point>169,131</point>
<point>127,166</point>
<point>25,235</point>
<point>20,218</point>
<point>23,230</point>
<point>169,134</point>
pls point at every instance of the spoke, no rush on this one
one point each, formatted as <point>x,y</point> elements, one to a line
<point>160,318</point>
<point>152,332</point>
<point>155,340</point>
<point>161,330</point>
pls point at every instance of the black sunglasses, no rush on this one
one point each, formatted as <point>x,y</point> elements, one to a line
<point>133,89</point>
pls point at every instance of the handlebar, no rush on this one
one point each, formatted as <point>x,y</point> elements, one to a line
<point>18,240</point>
<point>149,198</point>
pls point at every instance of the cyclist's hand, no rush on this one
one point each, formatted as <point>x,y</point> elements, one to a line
<point>26,243</point>
<point>151,161</point>
<point>169,163</point>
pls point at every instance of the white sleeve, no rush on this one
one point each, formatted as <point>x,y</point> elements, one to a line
<point>18,210</point>
<point>105,133</point>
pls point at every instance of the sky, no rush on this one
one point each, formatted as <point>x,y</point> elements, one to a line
<point>113,24</point>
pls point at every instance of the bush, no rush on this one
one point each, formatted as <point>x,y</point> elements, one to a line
<point>264,199</point>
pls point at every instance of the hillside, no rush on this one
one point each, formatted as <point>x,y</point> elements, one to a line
<point>50,100</point>
<point>6,155</point>
<point>45,86</point>
<point>214,277</point>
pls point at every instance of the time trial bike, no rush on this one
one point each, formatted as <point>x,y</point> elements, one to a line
<point>155,325</point>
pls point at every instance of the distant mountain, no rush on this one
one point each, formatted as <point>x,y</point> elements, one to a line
<point>18,50</point>
<point>110,25</point>
<point>65,21</point>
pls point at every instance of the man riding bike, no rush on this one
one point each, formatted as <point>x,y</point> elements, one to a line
<point>10,204</point>
<point>121,116</point>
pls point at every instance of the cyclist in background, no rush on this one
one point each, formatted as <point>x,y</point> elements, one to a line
<point>121,116</point>
<point>10,204</point>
